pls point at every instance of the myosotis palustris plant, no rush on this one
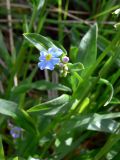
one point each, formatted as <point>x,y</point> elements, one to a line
<point>84,111</point>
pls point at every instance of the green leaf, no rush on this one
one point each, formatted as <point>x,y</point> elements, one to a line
<point>39,41</point>
<point>38,3</point>
<point>8,108</point>
<point>116,157</point>
<point>83,88</point>
<point>75,79</point>
<point>58,44</point>
<point>1,150</point>
<point>88,47</point>
<point>52,104</point>
<point>115,101</point>
<point>16,158</point>
<point>73,53</point>
<point>76,67</point>
<point>40,85</point>
<point>102,43</point>
<point>23,120</point>
<point>110,88</point>
<point>95,122</point>
<point>4,52</point>
<point>21,117</point>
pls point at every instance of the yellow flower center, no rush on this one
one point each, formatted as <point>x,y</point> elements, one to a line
<point>48,57</point>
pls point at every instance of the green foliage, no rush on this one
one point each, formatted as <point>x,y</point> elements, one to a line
<point>88,47</point>
<point>40,42</point>
<point>1,150</point>
<point>39,85</point>
<point>38,3</point>
<point>21,117</point>
<point>72,117</point>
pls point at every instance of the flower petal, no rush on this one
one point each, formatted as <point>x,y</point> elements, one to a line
<point>55,52</point>
<point>42,58</point>
<point>55,60</point>
<point>15,132</point>
<point>43,53</point>
<point>42,65</point>
<point>46,65</point>
<point>49,65</point>
<point>51,50</point>
<point>59,51</point>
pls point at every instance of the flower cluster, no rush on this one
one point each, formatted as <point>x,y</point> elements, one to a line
<point>53,57</point>
<point>63,66</point>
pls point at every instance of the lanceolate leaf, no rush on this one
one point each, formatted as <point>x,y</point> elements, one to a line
<point>88,47</point>
<point>75,67</point>
<point>40,85</point>
<point>39,41</point>
<point>21,117</point>
<point>57,102</point>
<point>96,122</point>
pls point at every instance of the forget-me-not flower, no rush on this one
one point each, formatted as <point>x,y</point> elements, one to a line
<point>15,132</point>
<point>48,59</point>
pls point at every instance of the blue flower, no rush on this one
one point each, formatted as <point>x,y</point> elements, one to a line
<point>48,59</point>
<point>15,132</point>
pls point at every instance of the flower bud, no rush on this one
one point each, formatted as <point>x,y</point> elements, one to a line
<point>66,68</point>
<point>61,65</point>
<point>65,59</point>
